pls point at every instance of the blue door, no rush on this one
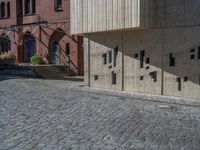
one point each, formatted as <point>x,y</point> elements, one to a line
<point>55,53</point>
<point>30,48</point>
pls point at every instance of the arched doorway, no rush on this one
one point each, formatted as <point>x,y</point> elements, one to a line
<point>29,46</point>
<point>55,57</point>
<point>4,43</point>
<point>56,51</point>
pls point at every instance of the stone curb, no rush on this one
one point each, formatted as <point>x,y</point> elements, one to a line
<point>143,96</point>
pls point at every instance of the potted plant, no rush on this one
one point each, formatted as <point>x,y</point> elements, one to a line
<point>7,58</point>
<point>36,59</point>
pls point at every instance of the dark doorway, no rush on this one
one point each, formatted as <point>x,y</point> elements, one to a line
<point>55,53</point>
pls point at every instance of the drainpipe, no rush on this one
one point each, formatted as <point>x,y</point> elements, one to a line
<point>122,61</point>
<point>89,84</point>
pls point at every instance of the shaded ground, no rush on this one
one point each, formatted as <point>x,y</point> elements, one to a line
<point>57,115</point>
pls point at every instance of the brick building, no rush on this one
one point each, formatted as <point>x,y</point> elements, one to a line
<point>150,46</point>
<point>29,27</point>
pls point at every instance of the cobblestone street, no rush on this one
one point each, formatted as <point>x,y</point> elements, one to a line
<point>59,115</point>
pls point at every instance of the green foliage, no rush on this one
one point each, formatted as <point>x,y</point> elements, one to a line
<point>36,59</point>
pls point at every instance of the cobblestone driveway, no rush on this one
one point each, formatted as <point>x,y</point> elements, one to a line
<point>57,115</point>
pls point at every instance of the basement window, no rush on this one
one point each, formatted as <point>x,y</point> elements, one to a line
<point>153,76</point>
<point>114,78</point>
<point>179,83</point>
<point>171,60</point>
<point>104,56</point>
<point>142,54</point>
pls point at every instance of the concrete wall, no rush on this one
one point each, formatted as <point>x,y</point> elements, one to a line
<point>157,44</point>
<point>88,16</point>
<point>101,15</point>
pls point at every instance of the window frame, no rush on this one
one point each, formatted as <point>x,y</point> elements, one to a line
<point>58,7</point>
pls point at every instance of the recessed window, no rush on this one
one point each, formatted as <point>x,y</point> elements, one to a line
<point>114,78</point>
<point>110,57</point>
<point>153,75</point>
<point>96,77</point>
<point>3,10</point>
<point>67,49</point>
<point>192,56</point>
<point>33,6</point>
<point>185,79</point>
<point>148,60</point>
<point>8,9</point>
<point>27,7</point>
<point>141,78</point>
<point>199,53</point>
<point>20,7</point>
<point>192,50</point>
<point>104,56</point>
<point>179,83</point>
<point>142,54</point>
<point>115,56</point>
<point>136,56</point>
<point>171,60</point>
<point>58,5</point>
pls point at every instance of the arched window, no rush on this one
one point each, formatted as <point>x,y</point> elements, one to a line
<point>33,6</point>
<point>27,6</point>
<point>4,43</point>
<point>8,9</point>
<point>58,4</point>
<point>3,10</point>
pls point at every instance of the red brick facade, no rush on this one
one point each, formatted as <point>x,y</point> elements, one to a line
<point>43,30</point>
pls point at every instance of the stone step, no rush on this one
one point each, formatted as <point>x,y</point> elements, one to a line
<point>40,71</point>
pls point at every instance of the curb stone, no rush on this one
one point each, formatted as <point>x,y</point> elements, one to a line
<point>142,96</point>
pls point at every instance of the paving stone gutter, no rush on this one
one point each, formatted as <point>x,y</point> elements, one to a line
<point>142,96</point>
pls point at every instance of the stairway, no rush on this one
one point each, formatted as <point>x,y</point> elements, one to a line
<point>58,72</point>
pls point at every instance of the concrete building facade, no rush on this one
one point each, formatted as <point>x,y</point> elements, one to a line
<point>150,46</point>
<point>40,27</point>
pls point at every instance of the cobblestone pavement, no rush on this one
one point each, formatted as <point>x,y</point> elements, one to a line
<point>57,115</point>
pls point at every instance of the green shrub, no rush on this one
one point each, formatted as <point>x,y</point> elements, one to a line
<point>36,59</point>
